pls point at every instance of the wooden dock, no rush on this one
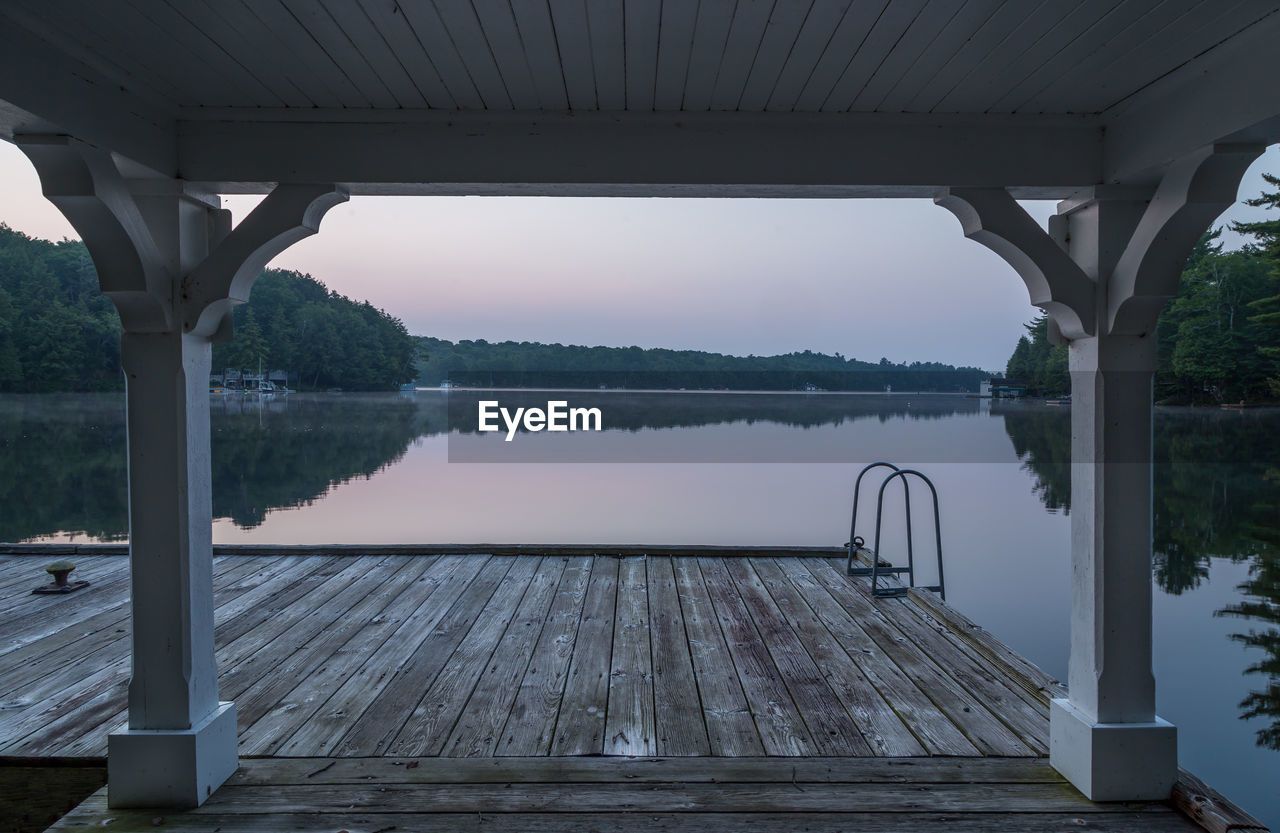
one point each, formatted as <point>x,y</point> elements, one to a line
<point>566,692</point>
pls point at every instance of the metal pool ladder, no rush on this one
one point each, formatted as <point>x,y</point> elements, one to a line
<point>878,567</point>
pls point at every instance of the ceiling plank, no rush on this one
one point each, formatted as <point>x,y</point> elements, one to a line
<point>1112,26</point>
<point>811,44</point>
<point>390,24</point>
<point>355,23</point>
<point>751,19</point>
<point>993,35</point>
<point>609,45</point>
<point>710,33</point>
<point>1179,42</point>
<point>846,42</point>
<point>475,51</point>
<point>499,25</point>
<point>295,43</point>
<point>123,36</point>
<point>439,48</point>
<point>922,43</point>
<point>241,48</point>
<point>538,36</point>
<point>1040,37</point>
<point>272,56</point>
<point>779,42</point>
<point>1213,98</point>
<point>204,49</point>
<point>674,47</point>
<point>331,36</point>
<point>44,90</point>
<point>573,41</point>
<point>71,38</point>
<point>642,20</point>
<point>887,33</point>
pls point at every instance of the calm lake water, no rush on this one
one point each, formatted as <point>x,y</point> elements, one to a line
<point>728,468</point>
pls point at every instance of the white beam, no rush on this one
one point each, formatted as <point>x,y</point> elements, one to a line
<point>701,154</point>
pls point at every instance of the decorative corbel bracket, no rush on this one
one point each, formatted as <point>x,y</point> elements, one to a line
<point>85,185</point>
<point>289,213</point>
<point>1191,195</point>
<point>992,217</point>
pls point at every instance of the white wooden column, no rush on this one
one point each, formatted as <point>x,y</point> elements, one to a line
<point>167,256</point>
<point>1110,259</point>
<point>1106,736</point>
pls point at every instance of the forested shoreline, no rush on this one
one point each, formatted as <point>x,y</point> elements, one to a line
<point>1219,339</point>
<point>58,332</point>
<point>532,364</point>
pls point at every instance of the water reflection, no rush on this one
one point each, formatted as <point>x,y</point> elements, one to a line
<point>1216,496</point>
<point>62,474</point>
<point>63,466</point>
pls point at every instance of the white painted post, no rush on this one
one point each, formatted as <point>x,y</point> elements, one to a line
<point>168,258</point>
<point>1103,270</point>
<point>1105,736</point>
<point>180,744</point>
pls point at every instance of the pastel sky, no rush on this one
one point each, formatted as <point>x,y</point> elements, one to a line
<point>865,278</point>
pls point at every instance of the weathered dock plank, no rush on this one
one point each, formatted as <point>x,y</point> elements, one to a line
<point>659,797</point>
<point>829,724</point>
<point>881,727</point>
<point>679,726</point>
<point>273,707</point>
<point>778,719</point>
<point>431,721</point>
<point>479,726</point>
<point>966,711</point>
<point>331,720</point>
<point>374,728</point>
<point>730,726</point>
<point>533,689</point>
<point>530,725</point>
<point>580,724</point>
<point>630,724</point>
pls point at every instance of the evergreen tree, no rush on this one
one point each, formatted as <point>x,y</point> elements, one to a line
<point>1267,233</point>
<point>1218,340</point>
<point>1019,366</point>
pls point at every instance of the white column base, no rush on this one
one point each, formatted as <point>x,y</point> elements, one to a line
<point>1113,761</point>
<point>172,768</point>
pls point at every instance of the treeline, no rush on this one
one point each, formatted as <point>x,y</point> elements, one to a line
<point>532,364</point>
<point>1219,339</point>
<point>58,332</point>
<point>325,340</point>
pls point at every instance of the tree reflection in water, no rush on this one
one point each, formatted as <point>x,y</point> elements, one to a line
<point>1216,495</point>
<point>1217,489</point>
<point>63,466</point>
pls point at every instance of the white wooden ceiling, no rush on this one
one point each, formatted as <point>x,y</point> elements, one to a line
<point>864,56</point>
<point>658,97</point>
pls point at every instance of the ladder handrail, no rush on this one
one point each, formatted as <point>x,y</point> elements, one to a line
<point>854,541</point>
<point>937,530</point>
